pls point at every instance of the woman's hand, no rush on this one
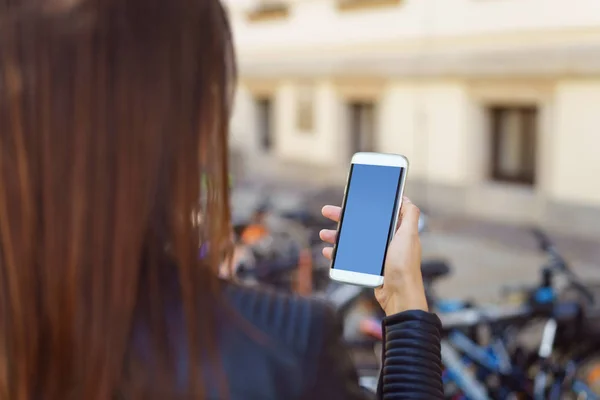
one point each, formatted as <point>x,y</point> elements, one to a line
<point>402,289</point>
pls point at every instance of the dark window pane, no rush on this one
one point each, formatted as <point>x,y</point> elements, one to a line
<point>264,108</point>
<point>514,131</point>
<point>362,127</point>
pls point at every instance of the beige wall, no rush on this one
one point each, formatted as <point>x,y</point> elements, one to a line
<point>435,116</point>
<point>399,112</point>
<point>445,133</point>
<point>576,149</point>
<point>427,122</point>
<point>311,25</point>
<point>315,147</point>
<point>244,123</point>
<point>440,127</point>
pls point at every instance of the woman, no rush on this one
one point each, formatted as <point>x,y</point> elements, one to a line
<point>107,110</point>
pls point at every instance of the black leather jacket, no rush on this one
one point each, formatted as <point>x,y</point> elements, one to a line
<point>291,348</point>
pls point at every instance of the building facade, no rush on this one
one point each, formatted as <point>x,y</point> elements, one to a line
<point>496,103</point>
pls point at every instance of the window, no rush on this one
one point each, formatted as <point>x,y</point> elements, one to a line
<point>269,10</point>
<point>349,5</point>
<point>264,107</point>
<point>362,126</point>
<point>305,108</point>
<point>514,133</point>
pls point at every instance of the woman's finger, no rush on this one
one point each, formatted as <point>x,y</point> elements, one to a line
<point>328,252</point>
<point>333,213</point>
<point>409,216</point>
<point>328,235</point>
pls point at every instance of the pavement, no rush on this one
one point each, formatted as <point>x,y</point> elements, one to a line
<point>484,256</point>
<point>487,256</point>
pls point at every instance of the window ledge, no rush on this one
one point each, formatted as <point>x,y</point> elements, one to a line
<point>355,5</point>
<point>268,12</point>
<point>515,187</point>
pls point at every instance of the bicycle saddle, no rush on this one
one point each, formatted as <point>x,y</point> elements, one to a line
<point>435,269</point>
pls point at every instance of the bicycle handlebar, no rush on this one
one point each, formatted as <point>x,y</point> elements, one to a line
<point>559,263</point>
<point>543,240</point>
<point>547,246</point>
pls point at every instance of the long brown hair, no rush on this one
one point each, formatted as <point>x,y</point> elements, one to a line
<point>111,111</point>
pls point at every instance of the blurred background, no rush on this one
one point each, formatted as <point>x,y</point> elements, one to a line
<point>496,103</point>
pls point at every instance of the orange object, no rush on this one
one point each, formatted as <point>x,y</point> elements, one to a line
<point>254,233</point>
<point>304,276</point>
<point>594,376</point>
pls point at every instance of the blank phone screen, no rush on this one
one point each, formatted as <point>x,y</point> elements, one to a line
<point>367,219</point>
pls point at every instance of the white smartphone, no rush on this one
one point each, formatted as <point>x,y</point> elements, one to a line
<point>370,212</point>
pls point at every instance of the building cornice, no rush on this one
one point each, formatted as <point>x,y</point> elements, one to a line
<point>431,58</point>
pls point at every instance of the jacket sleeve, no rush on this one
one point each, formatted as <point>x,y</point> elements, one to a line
<point>412,365</point>
<point>333,372</point>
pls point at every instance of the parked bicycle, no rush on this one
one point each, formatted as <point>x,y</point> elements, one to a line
<point>482,353</point>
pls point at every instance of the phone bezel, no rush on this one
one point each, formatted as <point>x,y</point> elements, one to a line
<point>363,158</point>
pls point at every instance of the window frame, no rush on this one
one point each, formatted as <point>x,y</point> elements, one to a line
<point>269,11</point>
<point>356,5</point>
<point>305,108</point>
<point>266,135</point>
<point>356,109</point>
<point>494,113</point>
